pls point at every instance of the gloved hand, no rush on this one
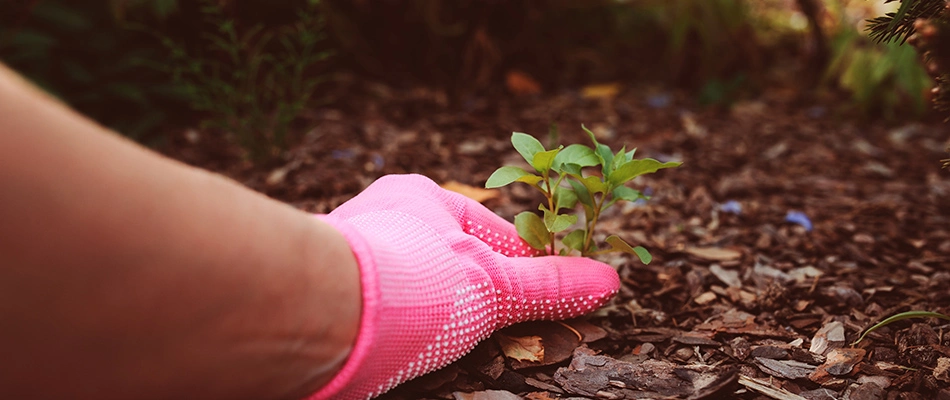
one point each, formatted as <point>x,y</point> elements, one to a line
<point>439,273</point>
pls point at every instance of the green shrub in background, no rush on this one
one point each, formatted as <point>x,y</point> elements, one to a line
<point>251,82</point>
<point>710,45</point>
<point>885,78</point>
<point>468,46</point>
<point>139,65</point>
<point>882,78</point>
<point>925,24</point>
<point>80,54</point>
<point>248,74</point>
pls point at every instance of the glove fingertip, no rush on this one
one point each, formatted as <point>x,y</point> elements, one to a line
<point>584,272</point>
<point>558,287</point>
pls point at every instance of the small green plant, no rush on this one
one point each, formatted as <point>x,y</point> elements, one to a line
<point>899,317</point>
<point>254,82</point>
<point>563,175</point>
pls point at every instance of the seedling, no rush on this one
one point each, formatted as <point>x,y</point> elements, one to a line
<point>595,177</point>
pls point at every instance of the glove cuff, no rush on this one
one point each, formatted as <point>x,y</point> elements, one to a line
<point>370,308</point>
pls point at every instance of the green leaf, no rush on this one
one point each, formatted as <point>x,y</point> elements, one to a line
<point>603,152</point>
<point>618,244</point>
<point>619,159</point>
<point>574,240</point>
<point>635,168</point>
<point>590,134</point>
<point>32,41</point>
<point>558,222</point>
<point>532,180</point>
<point>564,198</point>
<point>629,155</point>
<point>606,157</point>
<point>531,228</point>
<point>623,193</point>
<point>164,8</point>
<point>76,71</point>
<point>542,160</point>
<point>526,145</point>
<point>594,184</point>
<point>68,19</point>
<point>583,195</point>
<point>506,175</point>
<point>577,154</point>
<point>128,92</point>
<point>627,193</point>
<point>898,317</point>
<point>571,169</point>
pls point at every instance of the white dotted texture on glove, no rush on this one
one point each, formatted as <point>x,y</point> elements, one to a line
<point>441,273</point>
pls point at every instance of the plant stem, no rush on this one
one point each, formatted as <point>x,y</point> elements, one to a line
<point>552,203</point>
<point>591,224</point>
<point>550,195</point>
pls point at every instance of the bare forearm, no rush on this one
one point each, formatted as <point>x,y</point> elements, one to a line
<point>125,274</point>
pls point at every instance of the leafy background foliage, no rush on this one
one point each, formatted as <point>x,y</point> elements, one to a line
<point>246,69</point>
<point>140,65</point>
<point>251,81</point>
<point>81,54</point>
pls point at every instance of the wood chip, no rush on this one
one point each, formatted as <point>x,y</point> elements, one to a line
<point>788,369</point>
<point>542,385</point>
<point>486,395</point>
<point>714,253</point>
<point>591,375</point>
<point>828,338</point>
<point>694,340</point>
<point>705,298</point>
<point>728,276</point>
<point>865,391</point>
<point>839,362</point>
<point>942,370</point>
<point>767,389</point>
<point>589,331</point>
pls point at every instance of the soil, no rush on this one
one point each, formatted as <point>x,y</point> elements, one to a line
<point>742,300</point>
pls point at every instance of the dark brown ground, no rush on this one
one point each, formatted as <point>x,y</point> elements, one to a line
<point>728,297</point>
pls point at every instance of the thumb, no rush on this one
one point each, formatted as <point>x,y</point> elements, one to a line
<point>557,287</point>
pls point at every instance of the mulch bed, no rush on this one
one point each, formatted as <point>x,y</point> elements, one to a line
<point>743,299</point>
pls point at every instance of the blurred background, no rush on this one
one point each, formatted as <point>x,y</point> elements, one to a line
<point>252,70</point>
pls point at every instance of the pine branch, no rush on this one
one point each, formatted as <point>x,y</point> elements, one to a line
<point>900,24</point>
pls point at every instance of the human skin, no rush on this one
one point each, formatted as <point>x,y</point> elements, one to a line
<point>125,274</point>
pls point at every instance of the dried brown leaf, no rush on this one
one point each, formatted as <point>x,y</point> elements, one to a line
<point>602,91</point>
<point>474,193</point>
<point>521,348</point>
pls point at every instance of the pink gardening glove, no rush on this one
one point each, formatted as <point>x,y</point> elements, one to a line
<point>440,273</point>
